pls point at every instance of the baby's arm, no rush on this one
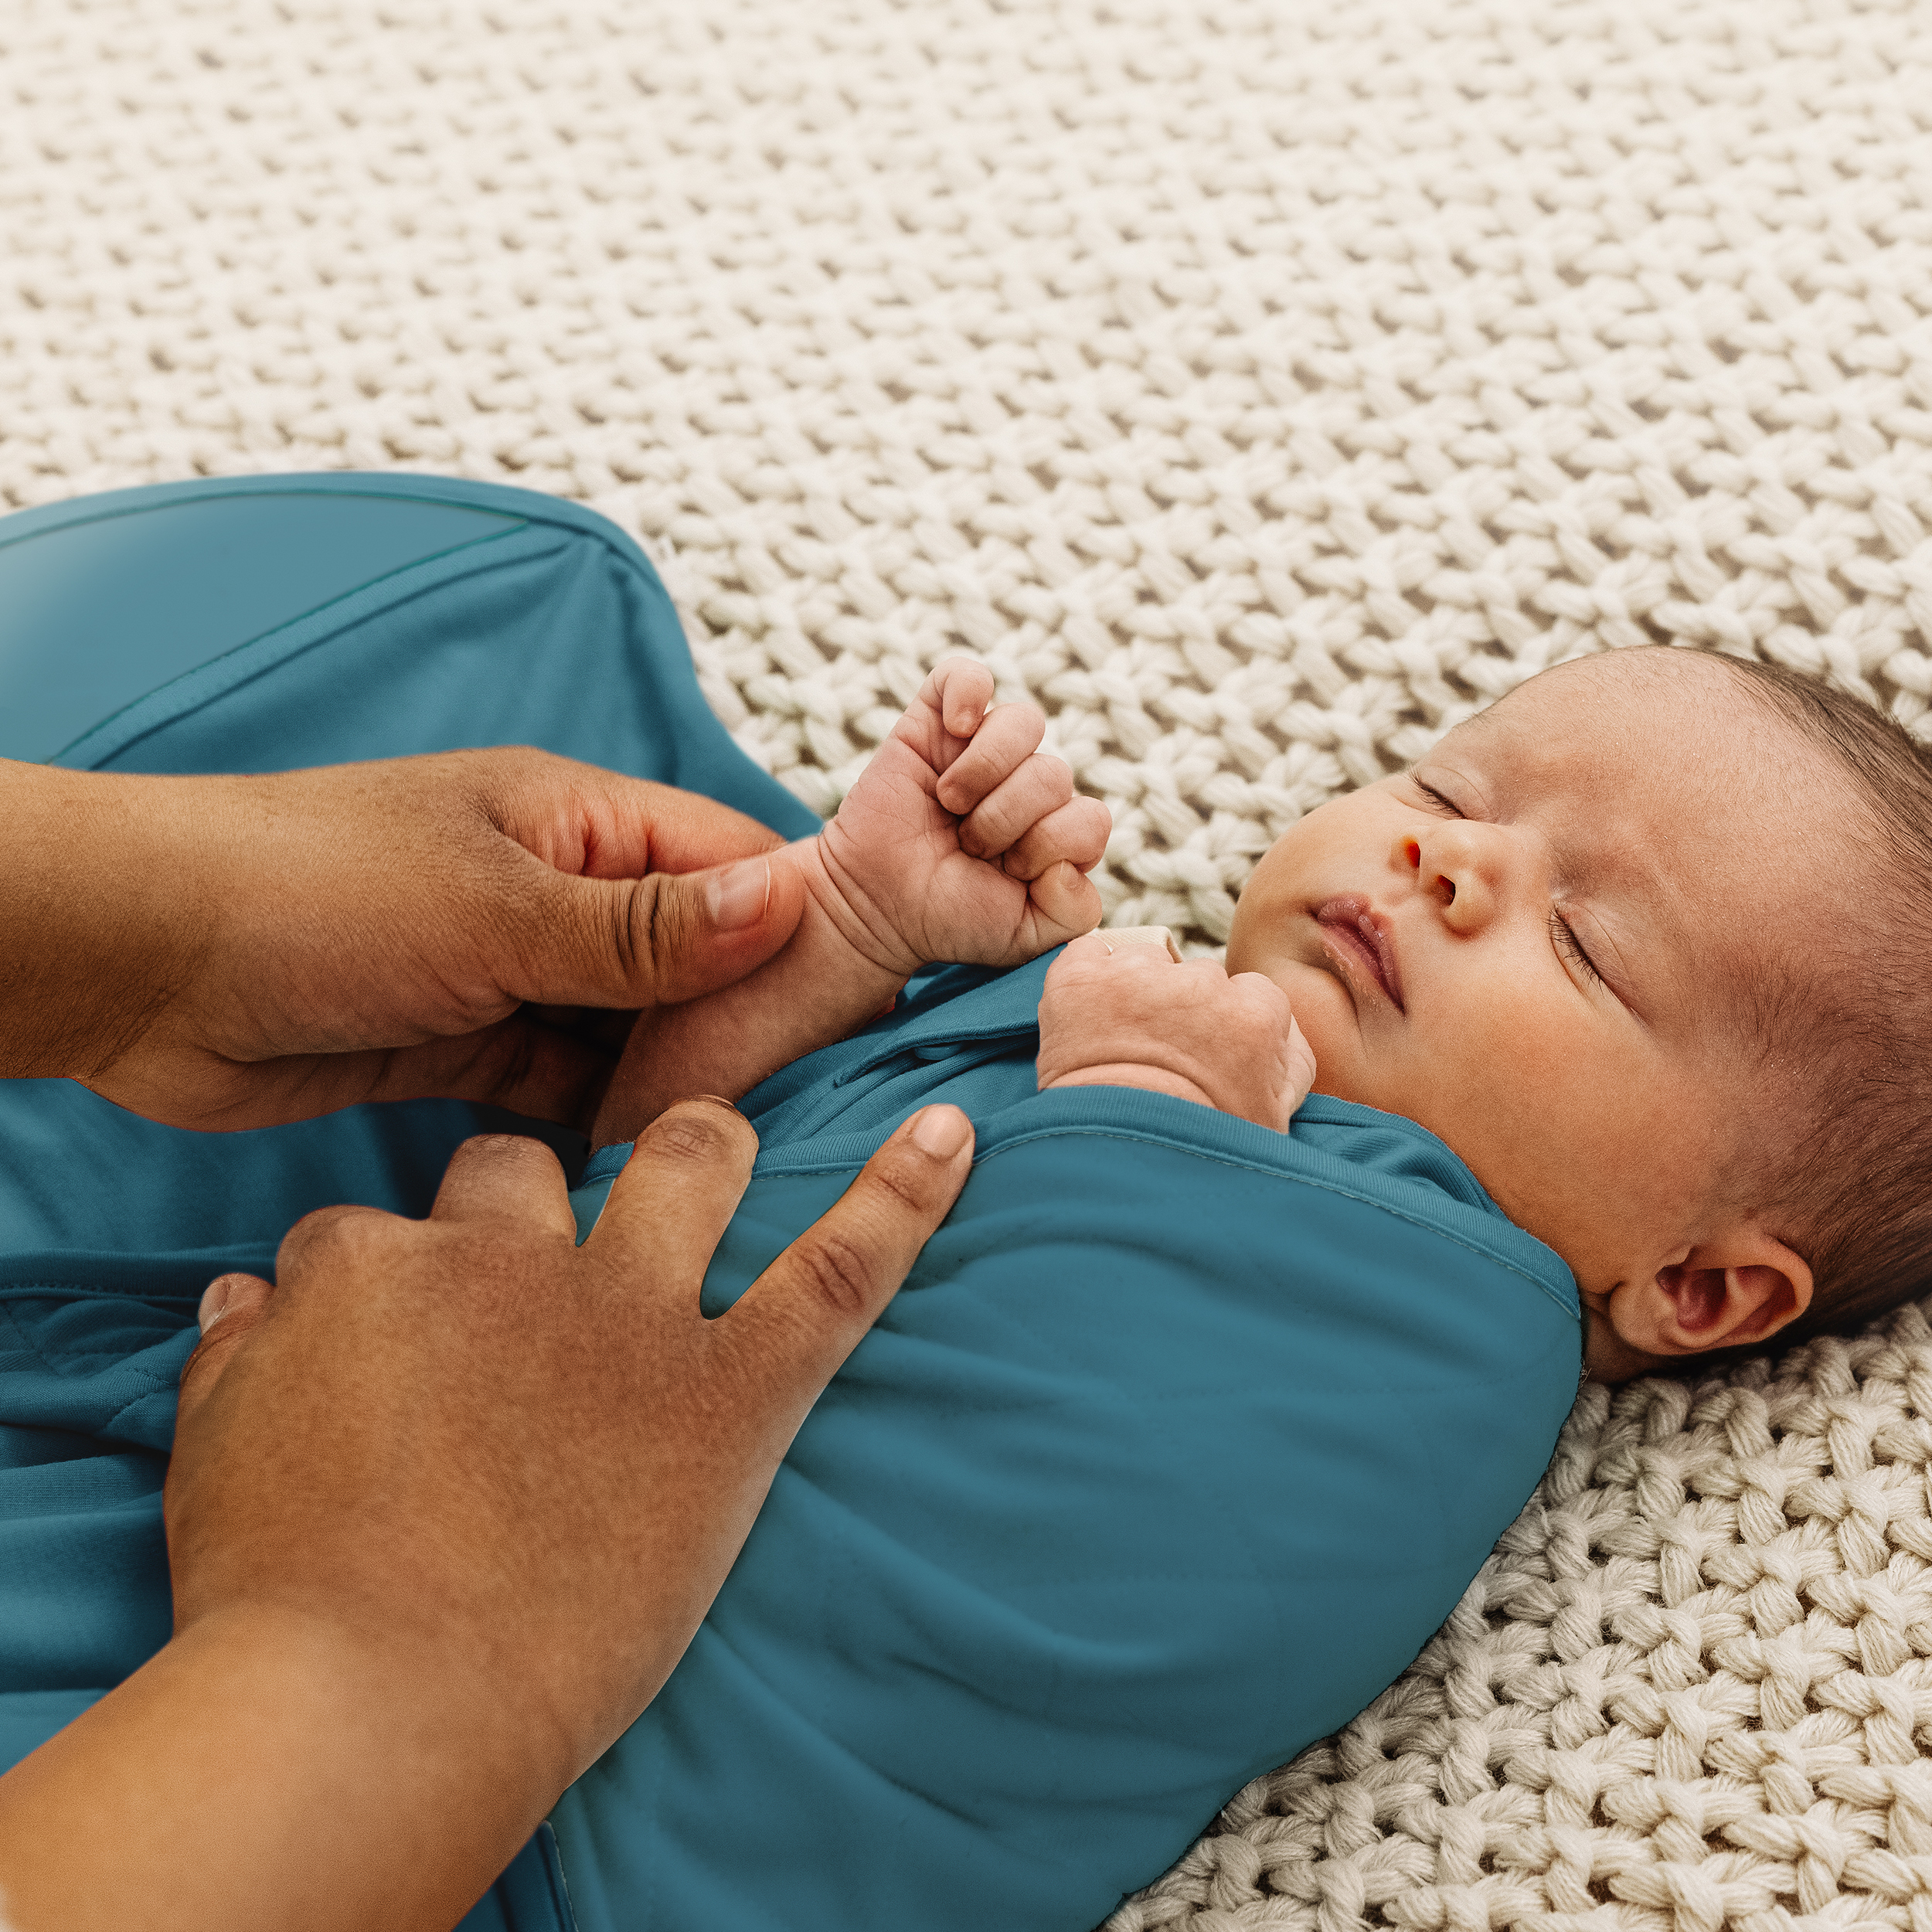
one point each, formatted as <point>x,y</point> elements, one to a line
<point>959,842</point>
<point>1128,1016</point>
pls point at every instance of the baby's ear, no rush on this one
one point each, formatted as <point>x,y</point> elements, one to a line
<point>1724,1294</point>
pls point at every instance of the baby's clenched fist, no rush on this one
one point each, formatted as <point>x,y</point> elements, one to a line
<point>1128,1016</point>
<point>961,840</point>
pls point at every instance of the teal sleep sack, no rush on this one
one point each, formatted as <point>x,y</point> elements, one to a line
<point>1178,1444</point>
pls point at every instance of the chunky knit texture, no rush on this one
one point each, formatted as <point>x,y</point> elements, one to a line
<point>1262,387</point>
<point>1690,1689</point>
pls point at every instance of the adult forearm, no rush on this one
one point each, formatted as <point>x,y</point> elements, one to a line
<point>102,915</point>
<point>261,1772</point>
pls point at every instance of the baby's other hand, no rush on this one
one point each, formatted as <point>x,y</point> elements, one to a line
<point>1128,1016</point>
<point>961,841</point>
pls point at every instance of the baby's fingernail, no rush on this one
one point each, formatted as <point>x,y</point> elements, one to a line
<point>738,898</point>
<point>941,1131</point>
<point>214,1303</point>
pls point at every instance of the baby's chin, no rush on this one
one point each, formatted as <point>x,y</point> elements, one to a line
<point>1344,1066</point>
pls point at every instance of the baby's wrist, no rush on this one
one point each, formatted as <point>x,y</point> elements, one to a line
<point>1150,1079</point>
<point>852,925</point>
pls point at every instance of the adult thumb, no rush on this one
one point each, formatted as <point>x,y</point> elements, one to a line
<point>670,936</point>
<point>230,1307</point>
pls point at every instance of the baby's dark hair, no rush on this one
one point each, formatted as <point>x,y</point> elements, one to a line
<point>1858,1183</point>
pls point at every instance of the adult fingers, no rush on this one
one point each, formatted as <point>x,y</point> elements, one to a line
<point>658,940</point>
<point>546,1071</point>
<point>527,1063</point>
<point>601,825</point>
<point>686,1176</point>
<point>519,1062</point>
<point>1077,831</point>
<point>690,833</point>
<point>628,893</point>
<point>499,1176</point>
<point>230,1307</point>
<point>792,1327</point>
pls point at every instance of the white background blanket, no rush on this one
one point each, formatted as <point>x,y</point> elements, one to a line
<point>1262,387</point>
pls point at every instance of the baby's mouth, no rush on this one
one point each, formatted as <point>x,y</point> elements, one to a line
<point>1357,938</point>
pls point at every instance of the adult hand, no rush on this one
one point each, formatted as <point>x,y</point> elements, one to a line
<point>435,1546</point>
<point>226,952</point>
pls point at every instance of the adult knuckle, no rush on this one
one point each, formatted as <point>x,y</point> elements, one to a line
<point>506,1150</point>
<point>334,1237</point>
<point>906,1186</point>
<point>490,1147</point>
<point>697,1135</point>
<point>319,1227</point>
<point>668,928</point>
<point>632,915</point>
<point>836,1271</point>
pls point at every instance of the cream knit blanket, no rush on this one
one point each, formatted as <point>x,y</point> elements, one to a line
<point>1263,385</point>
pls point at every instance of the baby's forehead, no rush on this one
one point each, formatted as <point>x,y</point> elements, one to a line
<point>1693,807</point>
<point>1677,730</point>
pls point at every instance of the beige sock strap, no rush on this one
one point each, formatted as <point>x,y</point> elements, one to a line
<point>1119,936</point>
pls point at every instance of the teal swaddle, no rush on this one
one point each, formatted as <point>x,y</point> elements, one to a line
<point>1179,1443</point>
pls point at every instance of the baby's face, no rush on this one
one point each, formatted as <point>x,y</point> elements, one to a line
<point>1541,944</point>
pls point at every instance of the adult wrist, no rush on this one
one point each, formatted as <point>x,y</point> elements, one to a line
<point>265,1758</point>
<point>100,918</point>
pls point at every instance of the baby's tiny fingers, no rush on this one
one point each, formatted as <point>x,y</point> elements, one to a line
<point>1064,900</point>
<point>1009,737</point>
<point>959,689</point>
<point>1040,787</point>
<point>1077,832</point>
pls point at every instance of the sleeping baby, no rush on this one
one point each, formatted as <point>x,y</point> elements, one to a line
<point>1604,941</point>
<point>1256,1323</point>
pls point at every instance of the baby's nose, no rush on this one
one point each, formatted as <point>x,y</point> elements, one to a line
<point>1433,879</point>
